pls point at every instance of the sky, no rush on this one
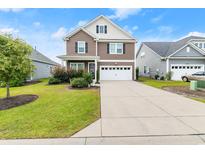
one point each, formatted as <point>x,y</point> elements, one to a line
<point>45,28</point>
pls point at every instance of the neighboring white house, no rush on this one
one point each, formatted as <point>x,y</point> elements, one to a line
<point>183,57</point>
<point>43,65</point>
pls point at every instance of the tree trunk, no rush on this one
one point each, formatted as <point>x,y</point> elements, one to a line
<point>7,90</point>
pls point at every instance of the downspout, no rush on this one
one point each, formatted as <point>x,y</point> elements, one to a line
<point>167,65</point>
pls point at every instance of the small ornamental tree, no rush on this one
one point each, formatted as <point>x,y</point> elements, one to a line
<point>15,63</point>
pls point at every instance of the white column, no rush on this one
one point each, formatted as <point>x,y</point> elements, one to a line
<point>167,64</point>
<point>135,62</point>
<point>95,71</point>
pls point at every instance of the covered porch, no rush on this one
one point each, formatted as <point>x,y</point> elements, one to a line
<point>86,63</point>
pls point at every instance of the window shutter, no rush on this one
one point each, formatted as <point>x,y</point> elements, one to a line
<point>97,29</point>
<point>108,48</point>
<point>76,47</point>
<point>86,47</point>
<point>105,29</point>
<point>123,48</point>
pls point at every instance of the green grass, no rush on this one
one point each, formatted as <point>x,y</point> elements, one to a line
<point>198,99</point>
<point>161,83</point>
<point>58,112</point>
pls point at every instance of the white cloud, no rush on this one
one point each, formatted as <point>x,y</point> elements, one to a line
<point>201,34</point>
<point>195,34</point>
<point>126,28</point>
<point>135,28</point>
<point>60,33</point>
<point>8,31</point>
<point>156,19</point>
<point>123,13</point>
<point>11,9</point>
<point>165,29</point>
<point>36,24</point>
<point>81,23</point>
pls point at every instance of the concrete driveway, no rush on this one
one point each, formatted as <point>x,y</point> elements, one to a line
<point>131,109</point>
<point>133,113</point>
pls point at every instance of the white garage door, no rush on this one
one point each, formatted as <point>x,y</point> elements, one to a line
<point>180,70</point>
<point>116,73</point>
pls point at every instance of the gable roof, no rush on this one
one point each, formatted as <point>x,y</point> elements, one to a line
<point>165,49</point>
<point>76,31</point>
<point>39,57</point>
<point>94,36</point>
<point>110,21</point>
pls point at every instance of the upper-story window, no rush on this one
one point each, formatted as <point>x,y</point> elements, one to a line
<point>116,48</point>
<point>101,29</point>
<point>200,45</point>
<point>81,47</point>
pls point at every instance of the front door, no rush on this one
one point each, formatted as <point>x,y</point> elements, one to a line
<point>91,68</point>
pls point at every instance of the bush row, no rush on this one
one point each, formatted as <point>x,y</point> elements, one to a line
<point>77,79</point>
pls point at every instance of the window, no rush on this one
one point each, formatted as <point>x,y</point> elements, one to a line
<point>188,49</point>
<point>116,48</point>
<point>77,66</point>
<point>81,46</point>
<point>146,70</point>
<point>101,29</point>
<point>200,45</point>
<point>199,74</point>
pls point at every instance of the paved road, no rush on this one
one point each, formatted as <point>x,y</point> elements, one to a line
<point>133,113</point>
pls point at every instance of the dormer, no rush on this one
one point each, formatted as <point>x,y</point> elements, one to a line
<point>199,43</point>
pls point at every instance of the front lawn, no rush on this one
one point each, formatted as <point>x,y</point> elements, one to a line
<point>58,112</point>
<point>178,87</point>
<point>161,83</point>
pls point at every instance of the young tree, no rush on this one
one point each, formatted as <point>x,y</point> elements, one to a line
<point>14,60</point>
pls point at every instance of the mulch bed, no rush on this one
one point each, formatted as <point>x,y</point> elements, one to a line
<point>184,90</point>
<point>87,88</point>
<point>7,103</point>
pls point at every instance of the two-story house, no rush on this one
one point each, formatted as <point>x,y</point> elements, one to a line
<point>101,45</point>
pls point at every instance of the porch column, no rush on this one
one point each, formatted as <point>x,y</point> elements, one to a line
<point>167,64</point>
<point>95,71</point>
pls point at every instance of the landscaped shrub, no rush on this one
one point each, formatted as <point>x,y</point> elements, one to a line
<point>156,77</point>
<point>74,74</point>
<point>168,75</point>
<point>162,78</point>
<point>98,76</point>
<point>60,73</point>
<point>88,77</point>
<point>137,73</point>
<point>54,81</point>
<point>79,83</point>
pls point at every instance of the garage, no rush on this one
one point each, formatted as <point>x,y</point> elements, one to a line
<point>180,70</point>
<point>115,72</point>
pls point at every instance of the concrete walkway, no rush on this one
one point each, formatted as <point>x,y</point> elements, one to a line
<point>133,113</point>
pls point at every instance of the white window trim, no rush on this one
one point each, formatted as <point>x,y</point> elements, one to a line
<point>84,47</point>
<point>77,65</point>
<point>115,53</point>
<point>89,68</point>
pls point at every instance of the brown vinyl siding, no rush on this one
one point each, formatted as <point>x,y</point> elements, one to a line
<point>129,52</point>
<point>81,36</point>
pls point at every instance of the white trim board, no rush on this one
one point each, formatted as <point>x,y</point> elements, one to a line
<point>193,46</point>
<point>116,60</point>
<point>115,25</point>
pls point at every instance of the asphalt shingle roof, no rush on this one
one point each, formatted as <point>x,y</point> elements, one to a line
<point>167,48</point>
<point>37,56</point>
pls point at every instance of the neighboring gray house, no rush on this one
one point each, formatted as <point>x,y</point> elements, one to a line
<point>186,56</point>
<point>43,65</point>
